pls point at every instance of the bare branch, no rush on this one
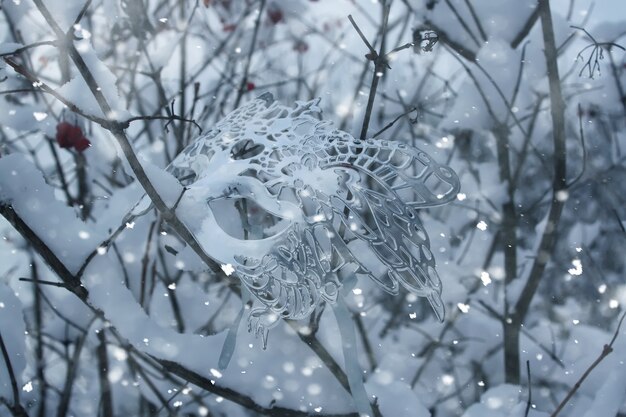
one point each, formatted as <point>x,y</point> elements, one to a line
<point>606,351</point>
<point>365,41</point>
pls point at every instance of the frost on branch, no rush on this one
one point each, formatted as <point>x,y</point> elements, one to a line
<point>299,209</point>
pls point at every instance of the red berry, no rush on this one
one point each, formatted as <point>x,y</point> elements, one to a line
<point>68,134</point>
<point>275,14</point>
<point>71,136</point>
<point>301,46</point>
<point>250,86</point>
<point>82,144</point>
<point>229,27</point>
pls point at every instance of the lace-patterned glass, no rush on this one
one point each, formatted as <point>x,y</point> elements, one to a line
<point>298,208</point>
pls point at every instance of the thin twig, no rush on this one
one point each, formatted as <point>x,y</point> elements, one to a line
<point>530,22</point>
<point>168,118</point>
<point>606,351</point>
<point>520,72</point>
<point>365,41</point>
<point>40,362</point>
<point>584,148</point>
<point>593,62</point>
<point>244,80</point>
<point>371,357</point>
<point>80,16</point>
<point>70,376</point>
<point>71,282</point>
<point>394,121</point>
<point>460,19</point>
<point>472,11</point>
<point>526,333</point>
<point>530,390</point>
<point>46,88</point>
<point>9,367</point>
<point>103,373</point>
<point>619,221</point>
<point>399,48</point>
<point>27,47</point>
<point>39,281</point>
<point>144,267</point>
<point>380,62</point>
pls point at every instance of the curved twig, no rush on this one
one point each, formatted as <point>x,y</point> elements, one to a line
<point>606,351</point>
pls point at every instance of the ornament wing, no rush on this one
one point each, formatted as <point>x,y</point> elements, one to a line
<point>383,185</point>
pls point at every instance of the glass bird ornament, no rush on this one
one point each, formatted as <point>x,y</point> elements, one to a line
<point>297,207</point>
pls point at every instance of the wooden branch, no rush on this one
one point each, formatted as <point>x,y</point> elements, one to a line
<point>559,184</point>
<point>27,47</point>
<point>394,121</point>
<point>244,79</point>
<point>70,376</point>
<point>530,22</point>
<point>13,381</point>
<point>103,373</point>
<point>117,129</point>
<point>66,276</point>
<point>20,69</point>
<point>529,401</point>
<point>380,62</point>
<point>247,402</point>
<point>360,32</point>
<point>71,282</point>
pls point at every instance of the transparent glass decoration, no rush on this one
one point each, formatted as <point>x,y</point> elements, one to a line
<point>300,210</point>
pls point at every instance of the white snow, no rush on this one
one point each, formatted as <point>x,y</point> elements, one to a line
<point>23,187</point>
